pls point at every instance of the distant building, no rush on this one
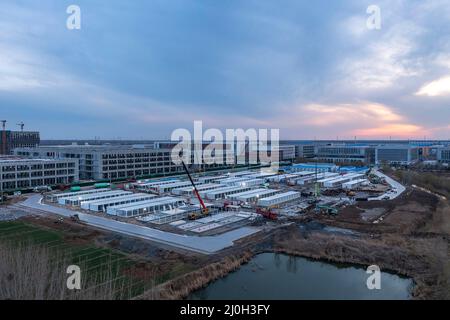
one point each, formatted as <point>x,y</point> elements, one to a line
<point>9,140</point>
<point>346,154</point>
<point>305,151</point>
<point>313,167</point>
<point>286,152</point>
<point>396,154</point>
<point>443,155</point>
<point>19,174</point>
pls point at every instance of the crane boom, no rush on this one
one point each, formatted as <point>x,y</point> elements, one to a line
<point>204,208</point>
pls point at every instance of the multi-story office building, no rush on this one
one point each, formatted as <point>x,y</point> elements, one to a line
<point>346,154</point>
<point>19,174</point>
<point>102,162</point>
<point>305,151</point>
<point>9,140</point>
<point>396,154</point>
<point>286,152</point>
<point>443,155</point>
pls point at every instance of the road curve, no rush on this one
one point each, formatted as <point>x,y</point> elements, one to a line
<point>204,245</point>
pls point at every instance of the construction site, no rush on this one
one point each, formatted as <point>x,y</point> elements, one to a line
<point>215,222</point>
<point>217,203</point>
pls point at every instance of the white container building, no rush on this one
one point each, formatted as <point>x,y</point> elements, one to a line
<point>279,199</point>
<point>249,183</point>
<point>147,185</point>
<point>254,195</point>
<point>153,206</point>
<point>232,181</point>
<point>78,200</point>
<point>354,184</point>
<point>102,205</point>
<point>189,191</point>
<point>209,179</point>
<point>169,187</point>
<point>222,193</point>
<point>342,179</point>
<point>312,178</point>
<point>56,196</point>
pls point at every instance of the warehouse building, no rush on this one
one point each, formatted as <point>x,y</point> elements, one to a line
<point>278,199</point>
<point>443,155</point>
<point>210,179</point>
<point>147,185</point>
<point>312,178</point>
<point>78,200</point>
<point>223,192</point>
<point>232,181</point>
<point>338,181</point>
<point>56,196</point>
<point>313,167</point>
<point>189,191</point>
<point>22,174</point>
<point>160,189</point>
<point>253,196</point>
<point>103,204</point>
<point>144,208</point>
<point>346,154</point>
<point>354,184</point>
<point>305,151</point>
<point>396,155</point>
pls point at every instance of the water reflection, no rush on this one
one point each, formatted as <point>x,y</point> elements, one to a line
<point>279,276</point>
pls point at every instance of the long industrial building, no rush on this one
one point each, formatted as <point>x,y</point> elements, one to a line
<point>146,207</point>
<point>223,192</point>
<point>253,195</point>
<point>346,154</point>
<point>312,178</point>
<point>54,197</point>
<point>189,191</point>
<point>396,154</point>
<point>279,199</point>
<point>103,204</point>
<point>78,200</point>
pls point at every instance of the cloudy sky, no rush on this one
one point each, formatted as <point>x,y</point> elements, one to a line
<point>140,69</point>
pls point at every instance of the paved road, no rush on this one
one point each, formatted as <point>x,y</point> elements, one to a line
<point>396,186</point>
<point>205,245</point>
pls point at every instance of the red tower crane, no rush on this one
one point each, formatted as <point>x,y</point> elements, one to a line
<point>205,210</point>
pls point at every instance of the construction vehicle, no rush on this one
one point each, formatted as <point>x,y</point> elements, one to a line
<point>204,209</point>
<point>267,213</point>
<point>326,209</point>
<point>351,193</point>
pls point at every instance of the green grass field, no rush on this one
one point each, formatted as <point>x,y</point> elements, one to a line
<point>101,265</point>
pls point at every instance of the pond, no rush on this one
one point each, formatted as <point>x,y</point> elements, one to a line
<point>283,277</point>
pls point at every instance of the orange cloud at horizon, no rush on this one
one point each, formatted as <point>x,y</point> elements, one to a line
<point>395,130</point>
<point>363,119</point>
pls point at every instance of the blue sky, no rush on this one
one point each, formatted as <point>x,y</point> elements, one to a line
<point>140,69</point>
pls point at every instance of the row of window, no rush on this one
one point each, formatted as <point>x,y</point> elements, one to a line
<point>22,184</point>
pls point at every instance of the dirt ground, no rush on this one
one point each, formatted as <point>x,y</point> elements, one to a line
<point>411,236</point>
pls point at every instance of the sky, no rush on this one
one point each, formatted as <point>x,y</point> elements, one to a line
<point>141,69</point>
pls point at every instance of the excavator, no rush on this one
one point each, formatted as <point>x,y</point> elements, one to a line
<point>205,211</point>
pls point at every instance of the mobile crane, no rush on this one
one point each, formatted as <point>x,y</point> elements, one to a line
<point>205,211</point>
